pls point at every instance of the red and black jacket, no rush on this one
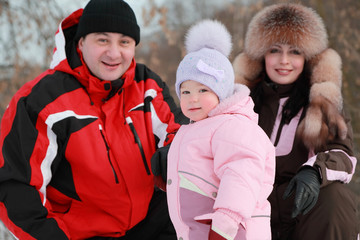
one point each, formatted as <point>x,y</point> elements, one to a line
<point>75,150</point>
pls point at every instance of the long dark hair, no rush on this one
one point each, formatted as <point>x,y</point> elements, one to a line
<point>298,97</point>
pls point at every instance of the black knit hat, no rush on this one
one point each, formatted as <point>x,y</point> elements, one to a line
<point>108,16</point>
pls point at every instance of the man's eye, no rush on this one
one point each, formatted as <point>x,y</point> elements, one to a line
<point>102,40</point>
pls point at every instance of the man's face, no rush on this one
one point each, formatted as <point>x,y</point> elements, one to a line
<point>107,55</point>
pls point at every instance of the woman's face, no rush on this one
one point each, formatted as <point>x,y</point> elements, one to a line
<point>284,63</point>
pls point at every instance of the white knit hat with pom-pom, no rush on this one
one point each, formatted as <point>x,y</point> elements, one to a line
<point>208,45</point>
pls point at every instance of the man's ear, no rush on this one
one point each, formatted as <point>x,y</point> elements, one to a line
<point>80,43</point>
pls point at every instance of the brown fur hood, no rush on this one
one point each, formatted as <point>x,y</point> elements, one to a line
<point>302,27</point>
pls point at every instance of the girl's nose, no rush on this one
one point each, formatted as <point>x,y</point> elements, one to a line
<point>194,98</point>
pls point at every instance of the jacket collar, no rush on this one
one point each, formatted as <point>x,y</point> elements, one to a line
<point>238,103</point>
<point>101,90</point>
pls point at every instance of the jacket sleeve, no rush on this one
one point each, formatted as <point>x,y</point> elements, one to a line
<point>244,161</point>
<point>23,207</point>
<point>336,162</point>
<point>166,115</point>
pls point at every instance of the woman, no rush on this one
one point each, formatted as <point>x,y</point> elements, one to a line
<point>295,82</point>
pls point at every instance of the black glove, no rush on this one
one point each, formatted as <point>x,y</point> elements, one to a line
<point>159,162</point>
<point>306,184</point>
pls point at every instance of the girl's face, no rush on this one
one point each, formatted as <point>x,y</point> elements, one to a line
<point>284,63</point>
<point>197,100</point>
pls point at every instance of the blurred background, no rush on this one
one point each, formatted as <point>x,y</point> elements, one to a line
<point>27,31</point>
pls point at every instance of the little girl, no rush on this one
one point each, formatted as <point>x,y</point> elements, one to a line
<point>221,166</point>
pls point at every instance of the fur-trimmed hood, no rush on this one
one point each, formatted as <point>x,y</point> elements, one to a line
<point>301,27</point>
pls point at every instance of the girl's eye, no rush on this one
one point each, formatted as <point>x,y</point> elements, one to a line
<point>203,90</point>
<point>185,92</point>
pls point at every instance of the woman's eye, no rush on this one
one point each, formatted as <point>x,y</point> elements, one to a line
<point>296,52</point>
<point>274,50</point>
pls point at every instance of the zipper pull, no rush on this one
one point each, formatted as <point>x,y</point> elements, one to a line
<point>138,141</point>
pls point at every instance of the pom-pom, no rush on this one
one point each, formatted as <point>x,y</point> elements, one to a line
<point>208,34</point>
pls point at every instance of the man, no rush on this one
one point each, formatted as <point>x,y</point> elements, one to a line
<point>76,142</point>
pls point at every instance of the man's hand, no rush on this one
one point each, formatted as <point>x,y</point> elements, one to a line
<point>306,184</point>
<point>159,162</point>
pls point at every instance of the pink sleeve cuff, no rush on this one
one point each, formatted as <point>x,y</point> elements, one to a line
<point>221,223</point>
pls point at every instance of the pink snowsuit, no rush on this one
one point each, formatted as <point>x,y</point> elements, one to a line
<point>220,172</point>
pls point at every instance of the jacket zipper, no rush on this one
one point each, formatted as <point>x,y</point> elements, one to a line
<point>279,131</point>
<point>108,154</point>
<point>138,142</point>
